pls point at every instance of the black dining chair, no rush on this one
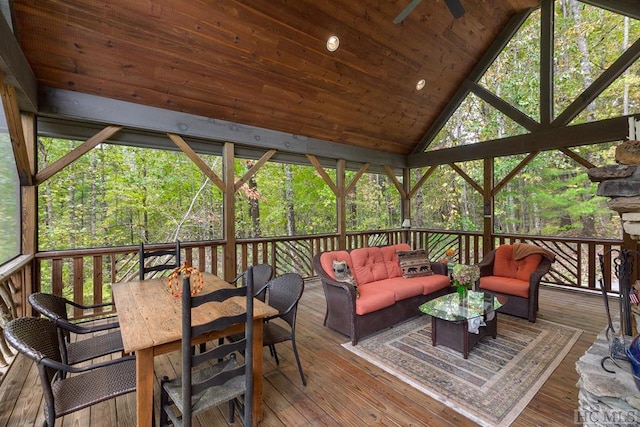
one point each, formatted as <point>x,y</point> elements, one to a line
<point>37,338</point>
<point>158,260</point>
<point>222,374</point>
<point>284,293</point>
<point>262,273</point>
<point>73,350</point>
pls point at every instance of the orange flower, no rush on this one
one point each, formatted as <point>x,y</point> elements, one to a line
<point>450,252</point>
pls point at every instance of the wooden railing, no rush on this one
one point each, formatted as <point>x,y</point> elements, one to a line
<point>85,275</point>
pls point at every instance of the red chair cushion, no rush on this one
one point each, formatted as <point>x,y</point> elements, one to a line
<point>527,265</point>
<point>368,265</point>
<point>505,285</point>
<point>504,265</point>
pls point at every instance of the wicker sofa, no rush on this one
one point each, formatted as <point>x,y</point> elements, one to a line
<point>383,296</point>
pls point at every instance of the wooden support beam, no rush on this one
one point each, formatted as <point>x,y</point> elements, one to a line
<point>630,8</point>
<point>421,181</point>
<point>255,168</point>
<point>547,24</point>
<point>579,159</point>
<point>62,104</point>
<point>323,174</point>
<point>405,208</point>
<point>75,154</point>
<point>467,178</point>
<point>474,76</point>
<point>356,178</point>
<point>229,210</point>
<point>608,130</point>
<point>341,204</point>
<point>14,123</point>
<point>487,215</point>
<point>513,173</point>
<point>504,107</point>
<point>16,69</point>
<point>195,158</point>
<point>603,81</point>
<point>398,184</point>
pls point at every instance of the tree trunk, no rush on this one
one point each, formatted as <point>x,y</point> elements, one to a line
<point>254,203</point>
<point>288,195</point>
<point>583,48</point>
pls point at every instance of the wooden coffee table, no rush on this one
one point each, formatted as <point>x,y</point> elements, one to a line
<point>450,319</point>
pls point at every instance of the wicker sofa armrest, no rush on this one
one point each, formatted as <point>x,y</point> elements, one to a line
<point>486,265</point>
<point>439,268</point>
<point>536,276</point>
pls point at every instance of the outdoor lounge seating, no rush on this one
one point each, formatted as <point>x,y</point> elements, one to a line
<point>381,296</point>
<point>38,339</point>
<point>515,271</point>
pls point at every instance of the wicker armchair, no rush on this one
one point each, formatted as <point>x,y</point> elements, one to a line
<point>77,351</point>
<point>519,283</point>
<point>209,384</point>
<point>38,339</point>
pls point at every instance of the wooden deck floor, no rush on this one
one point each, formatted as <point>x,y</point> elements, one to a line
<point>342,388</point>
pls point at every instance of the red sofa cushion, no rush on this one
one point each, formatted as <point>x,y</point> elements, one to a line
<point>505,285</point>
<point>368,265</point>
<point>391,258</point>
<point>401,288</point>
<point>373,298</point>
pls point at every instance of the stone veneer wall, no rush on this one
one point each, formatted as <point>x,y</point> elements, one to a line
<point>606,399</point>
<point>621,183</point>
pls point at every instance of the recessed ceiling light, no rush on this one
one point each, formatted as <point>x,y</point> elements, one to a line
<point>333,43</point>
<point>420,84</point>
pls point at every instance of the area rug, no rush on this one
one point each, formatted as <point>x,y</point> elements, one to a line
<point>493,385</point>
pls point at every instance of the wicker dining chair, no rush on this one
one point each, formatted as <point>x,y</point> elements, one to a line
<point>169,260</point>
<point>218,375</point>
<point>262,273</point>
<point>79,350</point>
<point>38,340</point>
<point>284,295</point>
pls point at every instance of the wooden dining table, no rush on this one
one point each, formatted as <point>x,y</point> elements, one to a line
<point>150,323</point>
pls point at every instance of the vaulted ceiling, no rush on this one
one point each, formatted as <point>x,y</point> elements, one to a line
<point>264,63</point>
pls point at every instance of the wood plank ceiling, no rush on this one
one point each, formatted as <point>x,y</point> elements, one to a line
<point>264,62</point>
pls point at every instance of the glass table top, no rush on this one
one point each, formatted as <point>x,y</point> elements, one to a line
<point>450,307</point>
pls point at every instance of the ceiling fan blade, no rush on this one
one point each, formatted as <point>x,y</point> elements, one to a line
<point>407,10</point>
<point>456,8</point>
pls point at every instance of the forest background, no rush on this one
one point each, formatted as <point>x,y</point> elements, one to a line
<point>117,195</point>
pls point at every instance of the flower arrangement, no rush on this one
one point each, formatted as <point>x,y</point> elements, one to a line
<point>448,254</point>
<point>464,276</point>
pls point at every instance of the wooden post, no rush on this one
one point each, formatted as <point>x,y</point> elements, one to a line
<point>487,235</point>
<point>29,214</point>
<point>341,204</point>
<point>229,210</point>
<point>405,210</point>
